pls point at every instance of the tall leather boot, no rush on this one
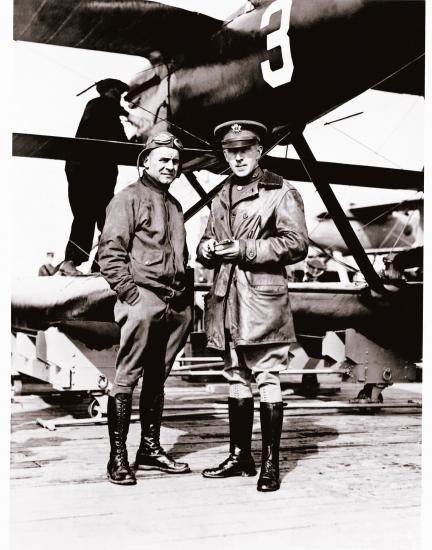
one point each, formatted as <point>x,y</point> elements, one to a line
<point>150,455</point>
<point>271,415</point>
<point>119,413</point>
<point>240,461</point>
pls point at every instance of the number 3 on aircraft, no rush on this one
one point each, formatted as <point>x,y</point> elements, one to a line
<point>278,38</point>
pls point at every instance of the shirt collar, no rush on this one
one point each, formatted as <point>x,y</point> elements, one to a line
<point>253,177</point>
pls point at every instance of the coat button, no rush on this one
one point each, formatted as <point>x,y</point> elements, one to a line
<point>245,215</point>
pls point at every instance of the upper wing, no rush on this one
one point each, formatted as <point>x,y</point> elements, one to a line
<point>410,80</point>
<point>131,27</point>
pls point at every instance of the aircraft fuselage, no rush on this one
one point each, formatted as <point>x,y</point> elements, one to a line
<point>288,62</point>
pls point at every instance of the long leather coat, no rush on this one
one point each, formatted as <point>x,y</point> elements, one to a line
<point>252,291</point>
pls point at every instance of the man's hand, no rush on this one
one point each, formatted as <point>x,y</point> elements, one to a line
<point>228,250</point>
<point>208,249</point>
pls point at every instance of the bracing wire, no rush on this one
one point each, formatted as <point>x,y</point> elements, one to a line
<point>386,212</point>
<point>331,257</point>
<point>156,116</point>
<point>376,153</point>
<point>398,124</point>
<point>402,231</point>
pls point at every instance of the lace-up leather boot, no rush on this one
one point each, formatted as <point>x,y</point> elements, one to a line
<point>150,455</point>
<point>240,461</point>
<point>119,413</point>
<point>271,415</point>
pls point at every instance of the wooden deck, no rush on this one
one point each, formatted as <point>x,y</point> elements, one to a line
<point>349,481</point>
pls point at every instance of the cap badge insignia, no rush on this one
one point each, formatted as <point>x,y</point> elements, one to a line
<point>236,128</point>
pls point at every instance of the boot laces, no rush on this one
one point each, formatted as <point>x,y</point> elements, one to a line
<point>269,469</point>
<point>121,455</point>
<point>153,445</point>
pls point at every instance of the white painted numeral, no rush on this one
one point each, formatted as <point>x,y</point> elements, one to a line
<point>279,37</point>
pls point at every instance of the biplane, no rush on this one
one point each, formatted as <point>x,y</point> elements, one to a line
<point>383,229</point>
<point>285,63</point>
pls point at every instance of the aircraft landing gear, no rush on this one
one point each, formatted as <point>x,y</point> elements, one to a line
<point>309,386</point>
<point>370,394</point>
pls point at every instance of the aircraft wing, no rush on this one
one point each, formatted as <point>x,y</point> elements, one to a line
<point>64,148</point>
<point>348,174</point>
<point>141,26</point>
<point>129,27</point>
<point>410,80</point>
<point>372,212</point>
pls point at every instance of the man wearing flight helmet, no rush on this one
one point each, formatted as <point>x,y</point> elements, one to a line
<point>143,256</point>
<point>256,227</point>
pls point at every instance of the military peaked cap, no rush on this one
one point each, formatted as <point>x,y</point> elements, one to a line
<point>239,133</point>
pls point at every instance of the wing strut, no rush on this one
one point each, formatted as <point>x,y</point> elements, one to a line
<point>192,179</point>
<point>335,210</point>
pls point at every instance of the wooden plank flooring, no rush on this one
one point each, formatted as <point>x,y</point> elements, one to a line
<point>349,481</point>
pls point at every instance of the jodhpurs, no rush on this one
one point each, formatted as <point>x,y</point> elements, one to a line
<point>263,363</point>
<point>152,332</point>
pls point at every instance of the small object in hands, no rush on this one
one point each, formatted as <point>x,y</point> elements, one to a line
<point>221,245</point>
<point>225,241</point>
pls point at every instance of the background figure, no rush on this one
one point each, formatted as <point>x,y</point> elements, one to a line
<point>256,227</point>
<point>48,268</point>
<point>92,181</point>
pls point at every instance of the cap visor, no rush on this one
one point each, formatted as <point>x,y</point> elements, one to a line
<point>237,144</point>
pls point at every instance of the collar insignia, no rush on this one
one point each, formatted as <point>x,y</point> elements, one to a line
<point>236,128</point>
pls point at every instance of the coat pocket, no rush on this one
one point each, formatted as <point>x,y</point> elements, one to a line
<point>150,257</point>
<point>267,283</point>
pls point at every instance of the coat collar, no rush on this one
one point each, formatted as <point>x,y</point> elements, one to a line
<point>264,178</point>
<point>269,179</point>
<point>260,178</point>
<point>148,181</point>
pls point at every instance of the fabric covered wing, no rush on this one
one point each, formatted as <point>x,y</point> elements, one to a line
<point>131,27</point>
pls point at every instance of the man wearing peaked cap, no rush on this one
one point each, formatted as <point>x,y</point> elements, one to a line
<point>91,182</point>
<point>143,257</point>
<point>255,228</point>
<point>235,134</point>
